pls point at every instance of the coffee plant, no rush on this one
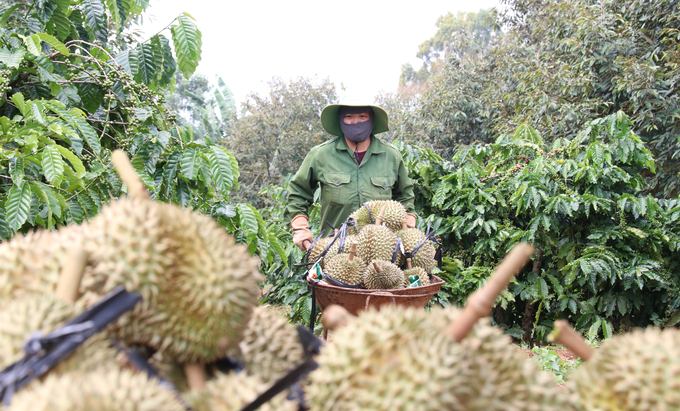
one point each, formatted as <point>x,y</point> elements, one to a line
<point>605,248</point>
<point>76,84</point>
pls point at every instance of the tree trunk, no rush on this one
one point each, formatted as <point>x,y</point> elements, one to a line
<point>499,315</point>
<point>530,307</point>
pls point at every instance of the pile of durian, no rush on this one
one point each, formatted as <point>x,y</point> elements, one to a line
<point>381,243</point>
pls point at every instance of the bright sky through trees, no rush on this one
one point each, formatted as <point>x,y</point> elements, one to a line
<point>361,44</point>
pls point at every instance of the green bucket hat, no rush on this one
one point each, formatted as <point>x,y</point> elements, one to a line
<point>331,122</point>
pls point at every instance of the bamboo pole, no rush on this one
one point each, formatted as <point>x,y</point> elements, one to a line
<point>567,336</point>
<point>481,302</point>
<point>127,173</point>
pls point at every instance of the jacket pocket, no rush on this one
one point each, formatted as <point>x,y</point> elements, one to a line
<point>336,189</point>
<point>382,188</point>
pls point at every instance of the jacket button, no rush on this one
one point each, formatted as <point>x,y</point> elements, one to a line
<point>336,181</point>
<point>359,191</point>
<point>384,185</point>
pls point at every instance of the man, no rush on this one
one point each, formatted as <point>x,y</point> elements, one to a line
<point>352,169</point>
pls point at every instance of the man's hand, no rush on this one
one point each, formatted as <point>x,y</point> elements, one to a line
<point>411,220</point>
<point>302,237</point>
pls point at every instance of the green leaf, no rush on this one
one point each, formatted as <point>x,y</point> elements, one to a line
<point>169,63</point>
<point>89,135</point>
<point>8,13</point>
<point>16,169</point>
<point>191,160</point>
<point>187,41</point>
<point>38,112</point>
<point>170,171</point>
<point>90,95</point>
<point>247,220</point>
<point>11,59</point>
<point>18,100</point>
<point>32,45</point>
<point>75,210</point>
<point>56,44</point>
<point>5,230</point>
<point>146,63</point>
<point>18,205</point>
<point>74,160</point>
<point>95,16</point>
<point>62,24</point>
<point>52,164</point>
<point>117,15</point>
<point>220,167</point>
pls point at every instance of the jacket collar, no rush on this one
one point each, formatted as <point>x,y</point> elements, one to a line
<point>375,147</point>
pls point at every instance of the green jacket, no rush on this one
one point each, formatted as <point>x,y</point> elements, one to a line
<point>345,185</point>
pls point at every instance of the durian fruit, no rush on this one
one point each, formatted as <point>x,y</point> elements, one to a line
<point>346,268</point>
<point>376,242</point>
<point>232,392</point>
<point>110,389</point>
<point>198,286</point>
<point>333,251</point>
<point>170,370</point>
<point>424,257</point>
<point>383,275</point>
<point>320,245</point>
<point>21,318</point>
<point>32,263</point>
<point>394,214</point>
<point>419,271</point>
<point>271,346</point>
<point>401,359</point>
<point>638,371</point>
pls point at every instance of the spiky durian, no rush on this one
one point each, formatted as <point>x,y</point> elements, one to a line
<point>271,346</point>
<point>346,268</point>
<point>230,392</point>
<point>382,275</point>
<point>347,246</point>
<point>21,318</point>
<point>102,390</point>
<point>424,257</point>
<point>401,359</point>
<point>376,243</point>
<point>198,286</point>
<point>320,245</point>
<point>31,263</point>
<point>637,371</point>
<point>394,214</point>
<point>420,272</point>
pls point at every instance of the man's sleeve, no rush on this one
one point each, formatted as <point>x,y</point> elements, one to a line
<point>403,189</point>
<point>301,188</point>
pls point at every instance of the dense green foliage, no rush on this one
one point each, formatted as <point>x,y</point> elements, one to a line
<point>77,84</point>
<point>606,248</point>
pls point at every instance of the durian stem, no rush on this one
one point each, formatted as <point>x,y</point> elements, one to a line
<point>377,268</point>
<point>352,252</point>
<point>334,317</point>
<point>567,336</point>
<point>408,263</point>
<point>481,302</point>
<point>127,173</point>
<point>379,218</point>
<point>404,224</point>
<point>71,275</point>
<point>196,375</point>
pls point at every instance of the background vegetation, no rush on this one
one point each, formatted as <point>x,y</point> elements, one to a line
<point>551,122</point>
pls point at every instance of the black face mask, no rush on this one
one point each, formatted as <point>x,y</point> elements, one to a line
<point>356,132</point>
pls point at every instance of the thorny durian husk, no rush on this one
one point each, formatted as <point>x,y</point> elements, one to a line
<point>318,249</point>
<point>346,247</point>
<point>401,359</point>
<point>198,286</point>
<point>170,370</point>
<point>271,346</point>
<point>424,257</point>
<point>394,214</point>
<point>390,277</point>
<point>32,263</point>
<point>231,392</point>
<point>342,269</point>
<point>376,242</point>
<point>420,272</point>
<point>110,389</point>
<point>636,371</point>
<point>21,318</point>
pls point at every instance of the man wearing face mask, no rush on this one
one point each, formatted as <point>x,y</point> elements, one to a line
<point>352,169</point>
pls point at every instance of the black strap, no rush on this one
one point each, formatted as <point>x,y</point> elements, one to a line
<point>305,257</point>
<point>44,352</point>
<point>339,283</point>
<point>312,314</point>
<point>369,213</point>
<point>395,253</point>
<point>311,346</point>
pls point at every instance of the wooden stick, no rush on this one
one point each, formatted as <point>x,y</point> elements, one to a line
<point>196,375</point>
<point>480,303</point>
<point>127,173</point>
<point>71,275</point>
<point>379,218</point>
<point>352,252</point>
<point>567,336</point>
